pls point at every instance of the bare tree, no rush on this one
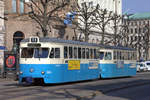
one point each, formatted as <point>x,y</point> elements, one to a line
<point>146,41</point>
<point>124,32</point>
<point>44,12</point>
<point>116,23</point>
<point>84,20</point>
<point>103,18</point>
<point>4,18</point>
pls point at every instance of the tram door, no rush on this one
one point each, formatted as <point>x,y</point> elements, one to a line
<point>100,58</point>
<point>119,63</point>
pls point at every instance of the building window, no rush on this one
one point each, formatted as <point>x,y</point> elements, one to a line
<point>143,22</point>
<point>17,37</point>
<point>139,30</point>
<point>131,23</point>
<point>91,4</point>
<point>148,22</point>
<point>18,6</point>
<point>14,6</point>
<point>139,23</point>
<point>135,30</point>
<point>21,6</point>
<point>131,30</point>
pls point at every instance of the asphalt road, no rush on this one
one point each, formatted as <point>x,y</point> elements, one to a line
<point>104,89</point>
<point>133,93</point>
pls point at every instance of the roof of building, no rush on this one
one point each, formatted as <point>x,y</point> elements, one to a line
<point>140,16</point>
<point>57,40</point>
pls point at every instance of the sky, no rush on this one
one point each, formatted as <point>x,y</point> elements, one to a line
<point>136,6</point>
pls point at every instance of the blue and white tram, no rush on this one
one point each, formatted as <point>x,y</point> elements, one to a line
<point>58,61</point>
<point>117,62</point>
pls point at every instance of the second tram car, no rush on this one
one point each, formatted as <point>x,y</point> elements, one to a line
<point>117,62</point>
<point>57,61</point>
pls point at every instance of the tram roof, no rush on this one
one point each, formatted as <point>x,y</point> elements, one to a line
<point>58,40</point>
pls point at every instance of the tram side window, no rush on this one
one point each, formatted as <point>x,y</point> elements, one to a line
<point>135,56</point>
<point>79,53</point>
<point>41,52</point>
<point>95,54</point>
<point>91,54</point>
<point>27,53</point>
<point>131,55</point>
<point>65,52</point>
<point>128,55</point>
<point>118,55</point>
<point>70,52</point>
<point>87,53</point>
<point>75,52</point>
<point>108,56</point>
<point>125,56</point>
<point>83,53</point>
<point>57,52</point>
<point>101,55</point>
<point>115,55</point>
<point>52,53</point>
<point>122,55</point>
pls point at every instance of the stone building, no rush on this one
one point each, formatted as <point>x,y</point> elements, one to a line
<point>20,26</point>
<point>2,33</point>
<point>138,31</point>
<point>17,28</point>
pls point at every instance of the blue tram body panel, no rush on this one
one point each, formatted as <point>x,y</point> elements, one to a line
<point>57,73</point>
<point>111,70</point>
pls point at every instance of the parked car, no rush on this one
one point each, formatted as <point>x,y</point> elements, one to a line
<point>147,64</point>
<point>141,67</point>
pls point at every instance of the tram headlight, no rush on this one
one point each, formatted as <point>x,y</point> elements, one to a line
<point>20,72</point>
<point>42,72</point>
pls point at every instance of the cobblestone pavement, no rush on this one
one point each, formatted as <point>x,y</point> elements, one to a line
<point>87,90</point>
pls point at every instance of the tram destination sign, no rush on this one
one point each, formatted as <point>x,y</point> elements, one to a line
<point>34,45</point>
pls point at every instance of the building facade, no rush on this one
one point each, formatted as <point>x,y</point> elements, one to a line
<point>138,31</point>
<point>2,33</point>
<point>20,26</point>
<point>111,5</point>
<point>114,6</point>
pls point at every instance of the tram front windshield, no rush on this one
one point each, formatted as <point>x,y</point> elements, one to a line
<point>34,52</point>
